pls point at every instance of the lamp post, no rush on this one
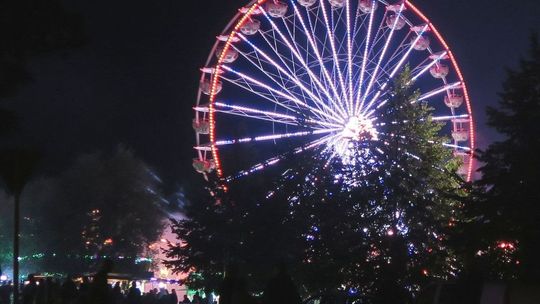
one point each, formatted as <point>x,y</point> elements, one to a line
<point>16,167</point>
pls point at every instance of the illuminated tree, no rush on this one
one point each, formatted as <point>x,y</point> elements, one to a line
<point>379,222</point>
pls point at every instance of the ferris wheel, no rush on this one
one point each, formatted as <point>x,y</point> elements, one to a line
<point>285,77</point>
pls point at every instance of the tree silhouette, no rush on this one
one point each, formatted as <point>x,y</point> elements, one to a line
<point>509,210</point>
<point>105,206</point>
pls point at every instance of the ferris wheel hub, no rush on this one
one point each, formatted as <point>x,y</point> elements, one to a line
<point>359,128</point>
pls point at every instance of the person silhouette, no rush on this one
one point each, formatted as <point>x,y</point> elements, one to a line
<point>134,294</point>
<point>233,289</point>
<point>281,289</point>
<point>99,289</point>
<point>173,297</point>
<point>186,300</point>
<point>29,291</point>
<point>69,290</point>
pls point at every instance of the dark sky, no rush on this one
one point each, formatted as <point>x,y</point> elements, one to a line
<point>136,79</point>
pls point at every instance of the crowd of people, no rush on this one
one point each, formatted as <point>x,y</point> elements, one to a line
<point>53,291</point>
<point>280,289</point>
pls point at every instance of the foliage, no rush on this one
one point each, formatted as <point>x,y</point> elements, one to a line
<point>508,210</point>
<point>244,231</point>
<point>381,226</point>
<point>103,205</point>
<point>16,168</point>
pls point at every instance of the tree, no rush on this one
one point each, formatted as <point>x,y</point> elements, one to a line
<point>227,231</point>
<point>375,222</point>
<point>108,206</point>
<point>381,222</point>
<point>508,212</point>
<point>102,206</point>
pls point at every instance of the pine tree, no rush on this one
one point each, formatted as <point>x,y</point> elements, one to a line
<point>240,229</point>
<point>380,224</point>
<point>509,211</point>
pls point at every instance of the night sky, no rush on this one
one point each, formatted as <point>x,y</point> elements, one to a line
<point>135,81</point>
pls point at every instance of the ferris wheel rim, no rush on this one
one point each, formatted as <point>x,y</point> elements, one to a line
<point>231,32</point>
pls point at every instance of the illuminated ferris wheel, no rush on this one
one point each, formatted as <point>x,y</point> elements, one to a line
<point>285,77</point>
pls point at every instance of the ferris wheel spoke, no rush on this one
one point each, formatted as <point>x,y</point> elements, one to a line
<point>287,63</point>
<point>292,36</point>
<point>357,26</point>
<point>256,114</point>
<point>418,72</point>
<point>425,96</point>
<point>313,77</point>
<point>302,28</point>
<point>275,78</point>
<point>330,33</point>
<point>365,58</point>
<point>381,57</point>
<point>380,36</point>
<point>276,99</point>
<point>311,34</point>
<point>284,95</point>
<point>279,81</point>
<point>271,137</point>
<point>349,55</point>
<point>341,41</point>
<point>299,49</point>
<point>433,118</point>
<point>440,90</point>
<point>272,97</point>
<point>450,117</point>
<point>317,99</point>
<point>272,116</point>
<point>436,59</point>
<point>453,146</point>
<point>396,69</point>
<point>286,104</point>
<point>276,159</point>
<point>399,51</point>
<point>271,41</point>
<point>457,147</point>
<point>421,66</point>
